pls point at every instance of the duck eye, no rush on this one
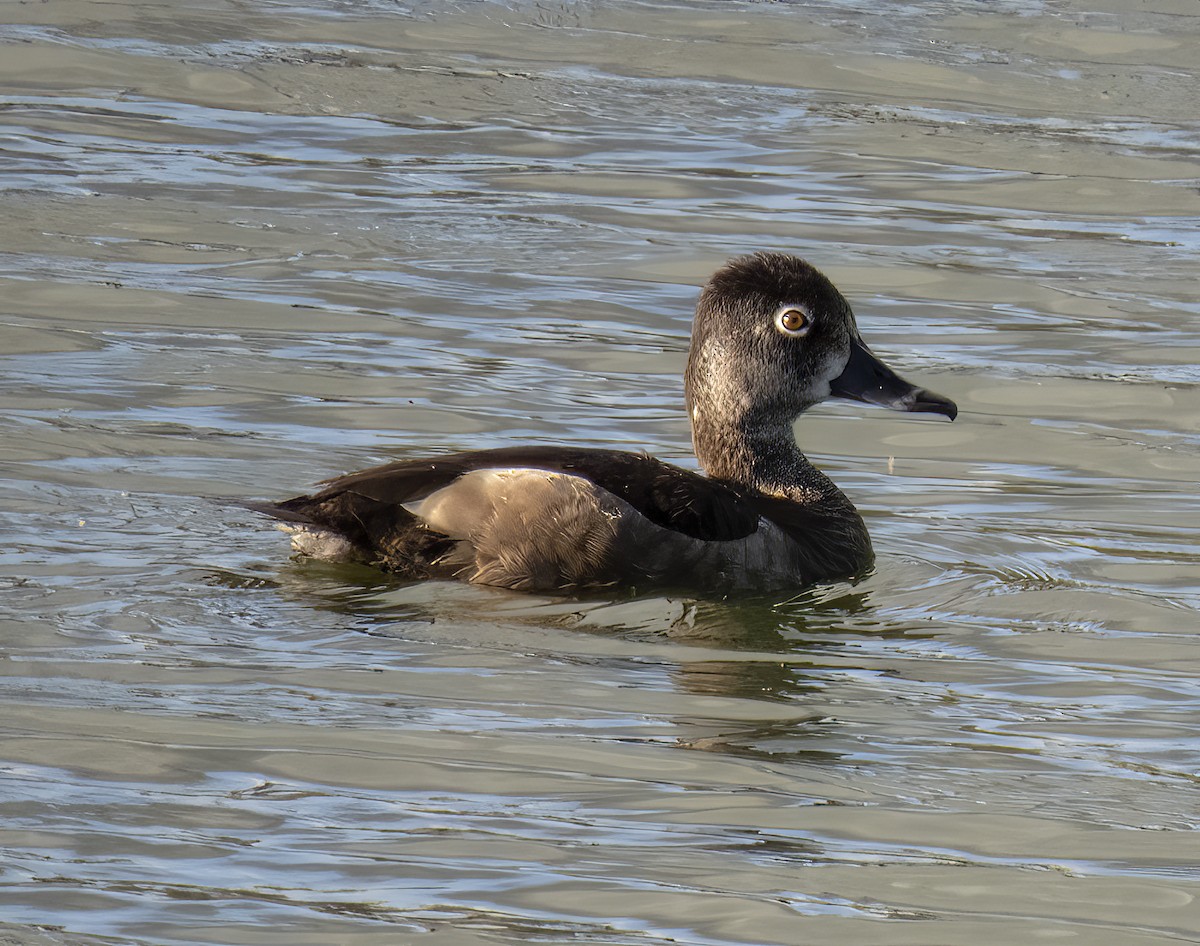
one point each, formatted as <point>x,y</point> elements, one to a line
<point>793,321</point>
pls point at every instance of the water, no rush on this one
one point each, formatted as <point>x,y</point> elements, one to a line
<point>249,245</point>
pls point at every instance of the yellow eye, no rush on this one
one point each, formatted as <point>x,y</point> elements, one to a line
<point>793,321</point>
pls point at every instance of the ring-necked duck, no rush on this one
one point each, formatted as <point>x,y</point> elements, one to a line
<point>771,338</point>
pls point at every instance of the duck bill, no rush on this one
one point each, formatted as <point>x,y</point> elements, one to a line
<point>868,379</point>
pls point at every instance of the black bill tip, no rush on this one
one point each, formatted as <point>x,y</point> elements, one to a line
<point>928,402</point>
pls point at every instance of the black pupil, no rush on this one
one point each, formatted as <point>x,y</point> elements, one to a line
<point>793,320</point>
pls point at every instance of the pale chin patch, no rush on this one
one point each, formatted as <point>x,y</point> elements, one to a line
<point>820,390</point>
<point>822,387</point>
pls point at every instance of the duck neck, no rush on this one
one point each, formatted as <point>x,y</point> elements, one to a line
<point>760,452</point>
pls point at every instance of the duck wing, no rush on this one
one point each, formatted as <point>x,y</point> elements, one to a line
<point>365,505</point>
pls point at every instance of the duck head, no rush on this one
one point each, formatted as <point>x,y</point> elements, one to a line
<point>772,337</point>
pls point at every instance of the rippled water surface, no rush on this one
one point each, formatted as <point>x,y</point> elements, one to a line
<point>246,245</point>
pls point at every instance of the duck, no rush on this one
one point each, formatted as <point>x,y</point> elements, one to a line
<point>771,338</point>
